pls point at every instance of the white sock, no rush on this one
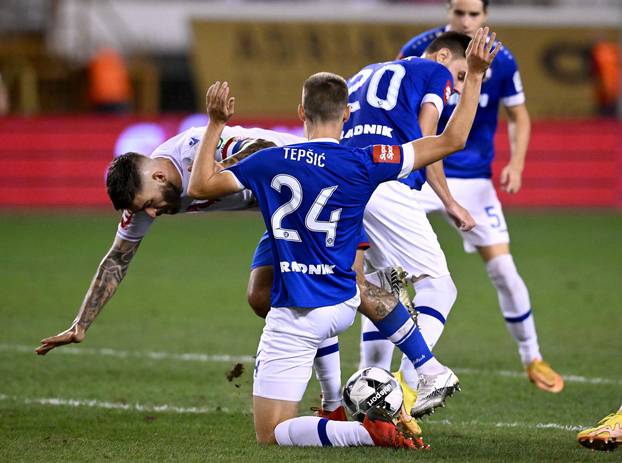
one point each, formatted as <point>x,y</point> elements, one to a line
<point>327,366</point>
<point>431,367</point>
<point>434,298</point>
<point>312,431</point>
<point>515,306</point>
<point>376,350</point>
<point>409,373</point>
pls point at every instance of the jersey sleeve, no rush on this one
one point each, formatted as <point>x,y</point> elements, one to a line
<point>242,172</point>
<point>363,241</point>
<point>439,87</point>
<point>512,93</point>
<point>389,162</point>
<point>414,47</point>
<point>133,226</point>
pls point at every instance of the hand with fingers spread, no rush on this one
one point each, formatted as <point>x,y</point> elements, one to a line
<point>219,105</point>
<point>74,334</point>
<point>480,52</point>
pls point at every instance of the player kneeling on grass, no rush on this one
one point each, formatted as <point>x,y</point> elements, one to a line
<point>312,196</point>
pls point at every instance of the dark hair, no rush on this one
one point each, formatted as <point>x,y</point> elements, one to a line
<point>325,97</point>
<point>485,2</point>
<point>456,42</point>
<point>123,180</point>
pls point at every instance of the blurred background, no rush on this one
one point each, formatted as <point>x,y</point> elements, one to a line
<point>82,80</point>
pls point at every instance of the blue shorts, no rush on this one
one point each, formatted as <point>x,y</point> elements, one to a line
<point>263,252</point>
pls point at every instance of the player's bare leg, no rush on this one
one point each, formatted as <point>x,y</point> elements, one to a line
<point>268,413</point>
<point>516,309</point>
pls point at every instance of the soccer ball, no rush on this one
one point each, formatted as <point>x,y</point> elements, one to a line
<point>372,387</point>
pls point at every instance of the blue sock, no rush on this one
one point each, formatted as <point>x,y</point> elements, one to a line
<point>399,328</point>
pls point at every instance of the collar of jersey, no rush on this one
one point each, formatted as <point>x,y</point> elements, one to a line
<point>327,140</point>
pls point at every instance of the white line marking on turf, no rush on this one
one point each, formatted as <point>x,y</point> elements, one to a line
<point>206,358</point>
<point>516,424</point>
<point>167,408</point>
<point>522,375</point>
<point>188,357</point>
<point>91,403</point>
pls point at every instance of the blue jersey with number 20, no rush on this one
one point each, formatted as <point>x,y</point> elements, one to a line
<point>312,197</point>
<point>385,99</point>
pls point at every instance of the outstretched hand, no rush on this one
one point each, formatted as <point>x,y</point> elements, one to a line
<point>480,53</point>
<point>74,334</point>
<point>220,106</point>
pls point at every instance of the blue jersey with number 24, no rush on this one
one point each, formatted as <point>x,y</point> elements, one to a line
<point>312,197</point>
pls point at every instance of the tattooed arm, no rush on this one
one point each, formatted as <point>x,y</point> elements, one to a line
<point>109,274</point>
<point>376,303</point>
<point>253,147</point>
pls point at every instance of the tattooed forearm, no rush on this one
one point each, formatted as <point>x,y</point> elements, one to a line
<point>376,303</point>
<point>257,145</point>
<point>109,274</point>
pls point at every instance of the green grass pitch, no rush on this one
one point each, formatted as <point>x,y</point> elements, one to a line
<point>127,393</point>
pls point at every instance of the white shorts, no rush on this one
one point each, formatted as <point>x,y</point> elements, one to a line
<point>479,197</point>
<point>289,343</point>
<point>400,234</point>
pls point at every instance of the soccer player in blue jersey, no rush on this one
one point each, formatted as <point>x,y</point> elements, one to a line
<point>394,102</point>
<point>312,196</point>
<point>469,177</point>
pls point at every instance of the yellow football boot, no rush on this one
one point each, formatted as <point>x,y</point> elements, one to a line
<point>543,376</point>
<point>607,435</point>
<point>408,423</point>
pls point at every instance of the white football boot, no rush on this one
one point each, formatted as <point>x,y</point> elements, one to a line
<point>432,392</point>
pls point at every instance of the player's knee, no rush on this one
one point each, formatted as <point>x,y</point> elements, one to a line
<point>265,436</point>
<point>502,271</point>
<point>441,288</point>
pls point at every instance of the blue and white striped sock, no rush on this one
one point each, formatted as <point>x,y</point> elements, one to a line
<point>312,431</point>
<point>402,331</point>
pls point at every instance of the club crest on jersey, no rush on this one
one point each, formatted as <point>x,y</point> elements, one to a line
<point>447,92</point>
<point>387,153</point>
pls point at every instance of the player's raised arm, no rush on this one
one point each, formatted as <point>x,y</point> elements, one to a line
<point>206,180</point>
<point>479,54</point>
<point>110,273</point>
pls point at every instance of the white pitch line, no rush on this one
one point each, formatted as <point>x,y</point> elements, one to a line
<point>167,408</point>
<point>208,358</point>
<point>105,352</point>
<point>91,403</point>
<point>515,424</point>
<point>522,375</point>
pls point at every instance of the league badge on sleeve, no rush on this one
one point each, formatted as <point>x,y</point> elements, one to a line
<point>126,218</point>
<point>388,154</point>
